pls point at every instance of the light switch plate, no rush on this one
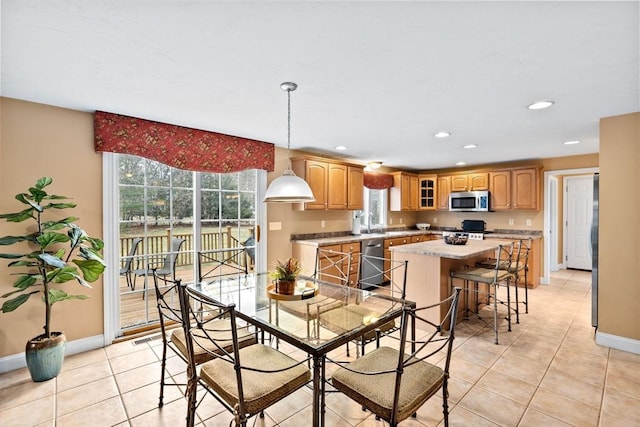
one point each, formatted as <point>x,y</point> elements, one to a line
<point>529,222</point>
<point>275,226</point>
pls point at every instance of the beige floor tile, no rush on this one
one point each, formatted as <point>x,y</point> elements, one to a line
<point>107,413</point>
<point>139,377</point>
<point>457,389</point>
<point>533,418</point>
<point>303,417</point>
<point>465,370</point>
<point>146,398</point>
<point>82,359</point>
<point>291,404</point>
<point>520,367</point>
<point>462,417</point>
<point>15,377</point>
<point>564,409</point>
<point>85,395</point>
<point>479,352</point>
<point>493,407</point>
<point>574,389</point>
<point>589,372</point>
<point>508,386</point>
<point>346,408</point>
<point>124,347</point>
<point>129,361</point>
<point>83,375</point>
<point>623,383</point>
<point>430,413</point>
<point>622,406</point>
<point>172,414</point>
<point>30,413</point>
<point>25,392</point>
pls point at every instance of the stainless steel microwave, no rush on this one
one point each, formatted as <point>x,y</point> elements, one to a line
<point>469,201</point>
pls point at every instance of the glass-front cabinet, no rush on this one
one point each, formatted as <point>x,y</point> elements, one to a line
<point>427,192</point>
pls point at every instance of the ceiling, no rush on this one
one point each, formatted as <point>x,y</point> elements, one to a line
<point>378,77</point>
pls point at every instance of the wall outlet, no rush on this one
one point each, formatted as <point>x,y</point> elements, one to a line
<point>390,221</point>
<point>510,221</point>
<point>529,222</point>
<point>274,226</point>
<point>400,220</point>
<point>435,219</point>
<point>322,224</point>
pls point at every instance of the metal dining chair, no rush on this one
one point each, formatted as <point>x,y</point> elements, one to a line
<point>127,270</point>
<point>167,268</point>
<point>393,382</point>
<point>245,380</point>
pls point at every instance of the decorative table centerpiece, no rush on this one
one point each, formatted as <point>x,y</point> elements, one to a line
<point>285,275</point>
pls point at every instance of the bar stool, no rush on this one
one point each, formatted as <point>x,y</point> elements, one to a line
<point>492,277</point>
<point>519,265</point>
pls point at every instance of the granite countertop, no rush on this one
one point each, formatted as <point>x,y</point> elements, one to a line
<point>439,248</point>
<point>335,238</point>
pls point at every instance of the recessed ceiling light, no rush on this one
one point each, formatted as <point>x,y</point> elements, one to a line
<point>571,142</point>
<point>442,134</point>
<point>470,146</point>
<point>375,165</point>
<point>341,148</point>
<point>540,105</point>
<point>461,163</point>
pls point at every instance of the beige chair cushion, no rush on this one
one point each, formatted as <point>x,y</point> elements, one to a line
<point>222,332</point>
<point>261,389</point>
<point>483,275</point>
<point>419,382</point>
<point>352,316</point>
<point>318,303</point>
<point>491,263</point>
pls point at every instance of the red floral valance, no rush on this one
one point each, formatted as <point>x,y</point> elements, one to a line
<point>180,147</point>
<point>377,181</point>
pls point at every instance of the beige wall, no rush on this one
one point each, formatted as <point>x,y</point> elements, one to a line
<point>36,141</point>
<point>619,233</point>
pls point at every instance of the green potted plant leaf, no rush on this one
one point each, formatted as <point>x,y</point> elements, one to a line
<point>285,275</point>
<point>56,251</point>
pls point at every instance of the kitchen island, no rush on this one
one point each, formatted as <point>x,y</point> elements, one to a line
<point>430,263</point>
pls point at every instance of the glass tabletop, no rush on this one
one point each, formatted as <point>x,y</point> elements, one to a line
<point>320,322</point>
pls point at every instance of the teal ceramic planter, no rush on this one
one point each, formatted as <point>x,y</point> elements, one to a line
<point>45,356</point>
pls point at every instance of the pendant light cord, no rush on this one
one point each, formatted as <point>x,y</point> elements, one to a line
<point>289,128</point>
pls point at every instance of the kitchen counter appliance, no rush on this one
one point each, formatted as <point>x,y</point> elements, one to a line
<point>475,228</point>
<point>469,201</point>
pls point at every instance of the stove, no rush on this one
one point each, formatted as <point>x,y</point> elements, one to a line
<point>474,228</point>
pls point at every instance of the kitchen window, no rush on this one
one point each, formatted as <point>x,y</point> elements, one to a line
<point>375,209</point>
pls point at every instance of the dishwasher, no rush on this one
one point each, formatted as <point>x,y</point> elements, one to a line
<point>372,263</point>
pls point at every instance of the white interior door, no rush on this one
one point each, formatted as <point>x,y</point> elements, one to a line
<point>579,212</point>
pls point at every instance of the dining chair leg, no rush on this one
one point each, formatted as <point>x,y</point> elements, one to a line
<point>163,366</point>
<point>526,291</point>
<point>517,280</point>
<point>495,311</point>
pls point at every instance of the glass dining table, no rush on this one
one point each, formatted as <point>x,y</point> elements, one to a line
<point>317,319</point>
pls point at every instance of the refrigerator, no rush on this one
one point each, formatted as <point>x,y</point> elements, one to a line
<point>594,252</point>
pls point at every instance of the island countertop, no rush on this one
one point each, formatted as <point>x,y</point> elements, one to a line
<point>438,248</point>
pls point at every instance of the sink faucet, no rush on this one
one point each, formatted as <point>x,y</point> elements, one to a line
<point>369,222</point>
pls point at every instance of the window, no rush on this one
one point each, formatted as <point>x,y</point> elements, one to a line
<point>159,205</point>
<point>375,209</point>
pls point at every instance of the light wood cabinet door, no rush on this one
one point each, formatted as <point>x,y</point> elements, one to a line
<point>355,188</point>
<point>404,193</point>
<point>427,192</point>
<point>316,175</point>
<point>500,190</point>
<point>478,181</point>
<point>354,267</point>
<point>337,186</point>
<point>459,183</point>
<point>524,183</point>
<point>444,188</point>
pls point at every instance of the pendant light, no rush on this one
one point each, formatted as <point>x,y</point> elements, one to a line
<point>288,188</point>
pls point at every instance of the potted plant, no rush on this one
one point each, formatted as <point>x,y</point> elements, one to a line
<point>285,275</point>
<point>56,251</point>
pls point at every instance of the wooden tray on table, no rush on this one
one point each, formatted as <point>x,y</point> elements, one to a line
<point>309,291</point>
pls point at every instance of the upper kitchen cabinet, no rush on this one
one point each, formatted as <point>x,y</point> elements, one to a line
<point>335,185</point>
<point>427,192</point>
<point>442,192</point>
<point>355,181</point>
<point>404,193</point>
<point>515,189</point>
<point>470,182</point>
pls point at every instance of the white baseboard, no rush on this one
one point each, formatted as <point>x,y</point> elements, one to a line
<point>17,361</point>
<point>619,343</point>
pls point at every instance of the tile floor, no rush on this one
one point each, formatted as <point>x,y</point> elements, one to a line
<point>546,372</point>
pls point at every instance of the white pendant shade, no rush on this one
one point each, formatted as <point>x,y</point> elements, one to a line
<point>288,188</point>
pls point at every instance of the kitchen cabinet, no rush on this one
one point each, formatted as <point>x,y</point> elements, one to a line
<point>355,181</point>
<point>443,190</point>
<point>388,243</point>
<point>404,193</point>
<point>427,192</point>
<point>514,189</point>
<point>470,182</point>
<point>335,185</point>
<point>332,265</point>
